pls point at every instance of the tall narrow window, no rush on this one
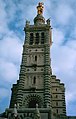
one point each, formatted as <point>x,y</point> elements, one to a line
<point>42,38</point>
<point>56,96</point>
<point>31,38</point>
<point>57,111</point>
<point>34,80</point>
<point>56,103</point>
<point>37,38</point>
<point>35,58</point>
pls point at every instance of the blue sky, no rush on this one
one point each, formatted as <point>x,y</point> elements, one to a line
<point>13,14</point>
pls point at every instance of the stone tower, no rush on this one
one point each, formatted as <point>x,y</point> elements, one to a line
<point>36,84</point>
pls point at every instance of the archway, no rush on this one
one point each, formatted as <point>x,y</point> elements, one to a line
<point>32,103</point>
<point>33,100</point>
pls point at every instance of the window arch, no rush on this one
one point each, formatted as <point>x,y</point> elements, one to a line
<point>37,38</point>
<point>42,38</point>
<point>31,38</point>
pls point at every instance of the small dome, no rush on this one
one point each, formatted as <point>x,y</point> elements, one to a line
<point>39,19</point>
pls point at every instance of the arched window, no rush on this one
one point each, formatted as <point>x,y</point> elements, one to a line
<point>34,80</point>
<point>42,38</point>
<point>31,38</point>
<point>37,38</point>
<point>35,58</point>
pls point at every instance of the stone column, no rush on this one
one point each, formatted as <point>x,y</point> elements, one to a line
<point>47,75</point>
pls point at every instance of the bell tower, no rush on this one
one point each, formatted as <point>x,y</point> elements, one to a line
<point>34,85</point>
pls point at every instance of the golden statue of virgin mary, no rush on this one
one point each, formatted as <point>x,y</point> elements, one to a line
<point>40,8</point>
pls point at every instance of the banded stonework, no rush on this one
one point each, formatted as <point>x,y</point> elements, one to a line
<point>37,85</point>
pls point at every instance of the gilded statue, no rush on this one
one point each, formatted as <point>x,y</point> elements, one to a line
<point>40,8</point>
